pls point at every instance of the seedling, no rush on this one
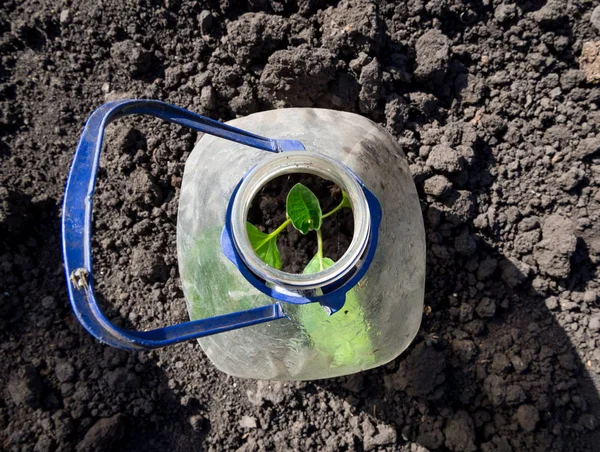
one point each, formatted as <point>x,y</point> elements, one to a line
<point>344,337</point>
<point>303,212</point>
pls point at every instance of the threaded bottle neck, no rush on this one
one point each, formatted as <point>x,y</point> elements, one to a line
<point>318,165</point>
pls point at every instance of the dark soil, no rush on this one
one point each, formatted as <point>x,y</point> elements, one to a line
<point>499,118</point>
<point>267,212</point>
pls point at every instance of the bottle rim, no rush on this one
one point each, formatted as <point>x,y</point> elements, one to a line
<point>301,162</point>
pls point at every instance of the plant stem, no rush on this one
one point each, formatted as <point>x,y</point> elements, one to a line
<point>277,231</point>
<point>320,248</point>
<point>335,209</point>
<point>331,212</point>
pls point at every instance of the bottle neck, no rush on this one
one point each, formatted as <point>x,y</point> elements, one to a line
<point>318,165</point>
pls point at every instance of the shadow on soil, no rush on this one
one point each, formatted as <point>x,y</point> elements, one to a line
<point>489,346</point>
<point>37,323</point>
<point>521,347</point>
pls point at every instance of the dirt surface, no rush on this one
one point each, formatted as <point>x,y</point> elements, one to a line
<point>495,103</point>
<point>267,212</point>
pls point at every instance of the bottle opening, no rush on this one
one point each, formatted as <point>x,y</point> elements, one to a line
<point>291,167</point>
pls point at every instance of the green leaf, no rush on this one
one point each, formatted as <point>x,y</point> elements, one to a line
<point>211,283</point>
<point>265,246</point>
<point>303,209</point>
<point>317,264</point>
<point>344,336</point>
<point>345,200</point>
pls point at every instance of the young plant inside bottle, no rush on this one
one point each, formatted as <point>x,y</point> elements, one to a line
<point>300,223</point>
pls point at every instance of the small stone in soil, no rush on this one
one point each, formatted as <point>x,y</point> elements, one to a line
<point>105,434</point>
<point>595,18</point>
<point>528,417</point>
<point>589,61</point>
<point>25,387</point>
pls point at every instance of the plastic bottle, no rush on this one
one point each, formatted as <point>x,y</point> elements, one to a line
<point>381,314</point>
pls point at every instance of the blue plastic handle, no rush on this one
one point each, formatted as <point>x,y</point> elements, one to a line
<point>77,227</point>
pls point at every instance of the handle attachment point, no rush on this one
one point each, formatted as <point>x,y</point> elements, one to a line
<point>79,279</point>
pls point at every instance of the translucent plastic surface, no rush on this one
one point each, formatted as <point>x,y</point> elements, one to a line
<point>382,313</point>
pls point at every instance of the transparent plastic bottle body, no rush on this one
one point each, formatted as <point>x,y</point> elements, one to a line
<point>386,305</point>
